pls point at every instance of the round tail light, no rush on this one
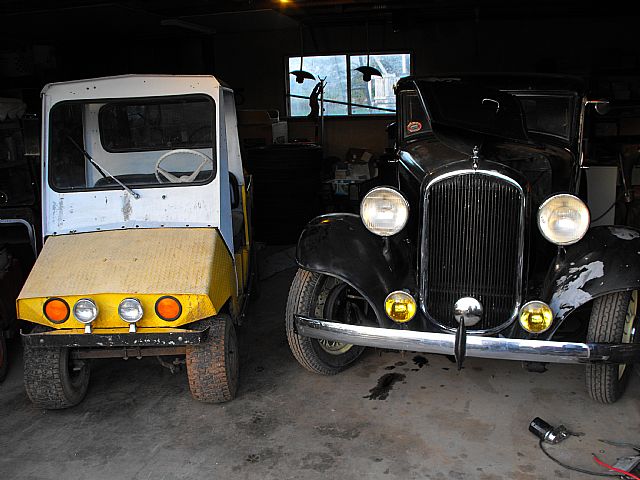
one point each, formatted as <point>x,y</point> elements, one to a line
<point>56,310</point>
<point>168,308</point>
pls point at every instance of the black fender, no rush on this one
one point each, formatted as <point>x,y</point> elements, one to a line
<point>339,245</point>
<point>606,260</point>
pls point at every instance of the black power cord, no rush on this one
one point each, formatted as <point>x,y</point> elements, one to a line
<point>576,469</point>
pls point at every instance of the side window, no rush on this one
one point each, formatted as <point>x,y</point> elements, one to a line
<point>413,119</point>
<point>66,161</point>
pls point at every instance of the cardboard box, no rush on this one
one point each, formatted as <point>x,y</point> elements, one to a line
<point>358,155</point>
<point>258,128</point>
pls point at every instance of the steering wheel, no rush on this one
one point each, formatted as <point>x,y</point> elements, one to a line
<point>183,178</point>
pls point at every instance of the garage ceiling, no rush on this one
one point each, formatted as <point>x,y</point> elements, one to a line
<point>40,20</point>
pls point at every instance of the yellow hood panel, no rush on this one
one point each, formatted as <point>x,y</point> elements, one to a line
<point>166,261</point>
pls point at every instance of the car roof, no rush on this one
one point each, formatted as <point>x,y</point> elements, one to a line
<point>505,81</point>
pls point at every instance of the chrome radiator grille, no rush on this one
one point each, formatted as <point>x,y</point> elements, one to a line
<point>472,246</point>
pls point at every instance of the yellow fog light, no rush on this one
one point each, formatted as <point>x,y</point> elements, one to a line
<point>536,317</point>
<point>400,306</point>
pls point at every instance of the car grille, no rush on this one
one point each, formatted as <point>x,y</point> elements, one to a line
<point>473,247</point>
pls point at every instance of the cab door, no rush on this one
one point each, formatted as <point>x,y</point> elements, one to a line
<point>240,196</point>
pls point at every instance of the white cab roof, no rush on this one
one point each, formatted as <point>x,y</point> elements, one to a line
<point>130,86</point>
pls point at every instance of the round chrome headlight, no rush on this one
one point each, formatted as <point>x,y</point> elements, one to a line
<point>85,310</point>
<point>384,211</point>
<point>563,219</point>
<point>130,310</point>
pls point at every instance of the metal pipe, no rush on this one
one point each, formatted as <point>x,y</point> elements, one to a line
<point>128,352</point>
<point>345,103</point>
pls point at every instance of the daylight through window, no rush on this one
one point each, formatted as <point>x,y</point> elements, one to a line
<point>346,93</point>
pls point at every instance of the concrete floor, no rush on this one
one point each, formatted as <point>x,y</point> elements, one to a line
<point>139,421</point>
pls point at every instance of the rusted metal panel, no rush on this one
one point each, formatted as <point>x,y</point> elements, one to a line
<point>116,338</point>
<point>606,260</point>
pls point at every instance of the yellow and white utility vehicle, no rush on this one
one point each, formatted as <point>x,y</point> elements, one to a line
<point>145,216</point>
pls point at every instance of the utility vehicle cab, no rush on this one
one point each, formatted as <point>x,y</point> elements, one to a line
<point>147,240</point>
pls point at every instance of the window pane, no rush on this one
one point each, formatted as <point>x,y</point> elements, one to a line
<point>334,68</point>
<point>414,118</point>
<point>66,161</point>
<point>379,91</point>
<point>126,138</point>
<point>156,125</point>
<point>550,115</point>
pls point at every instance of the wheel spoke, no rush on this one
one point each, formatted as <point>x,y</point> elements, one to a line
<point>333,304</point>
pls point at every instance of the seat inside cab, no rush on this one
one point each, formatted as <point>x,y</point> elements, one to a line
<point>237,213</point>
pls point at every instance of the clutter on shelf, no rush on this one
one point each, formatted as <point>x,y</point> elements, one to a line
<point>258,128</point>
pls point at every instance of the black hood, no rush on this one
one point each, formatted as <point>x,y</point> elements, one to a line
<point>464,115</point>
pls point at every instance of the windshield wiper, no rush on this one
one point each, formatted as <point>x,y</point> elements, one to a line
<point>101,169</point>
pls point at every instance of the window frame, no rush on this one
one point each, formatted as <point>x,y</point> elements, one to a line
<point>348,56</point>
<point>66,190</point>
<point>573,103</point>
<point>402,135</point>
<point>161,100</point>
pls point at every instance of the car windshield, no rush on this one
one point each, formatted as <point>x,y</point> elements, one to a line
<point>547,114</point>
<point>505,113</point>
<point>104,144</point>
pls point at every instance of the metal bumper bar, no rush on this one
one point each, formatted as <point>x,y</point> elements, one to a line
<point>114,338</point>
<point>483,347</point>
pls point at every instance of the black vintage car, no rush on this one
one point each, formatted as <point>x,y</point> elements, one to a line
<point>479,244</point>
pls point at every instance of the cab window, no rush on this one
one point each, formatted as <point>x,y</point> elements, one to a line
<point>413,119</point>
<point>95,144</point>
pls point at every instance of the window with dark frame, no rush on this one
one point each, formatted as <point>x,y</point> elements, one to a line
<point>414,119</point>
<point>345,91</point>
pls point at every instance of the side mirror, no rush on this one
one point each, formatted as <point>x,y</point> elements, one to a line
<point>601,106</point>
<point>234,190</point>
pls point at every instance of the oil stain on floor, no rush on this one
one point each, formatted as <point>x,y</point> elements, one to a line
<point>384,386</point>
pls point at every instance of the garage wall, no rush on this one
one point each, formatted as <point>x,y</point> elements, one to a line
<point>254,63</point>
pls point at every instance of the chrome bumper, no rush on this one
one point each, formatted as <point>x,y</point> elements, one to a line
<point>483,347</point>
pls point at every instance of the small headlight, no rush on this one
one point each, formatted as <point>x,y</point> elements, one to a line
<point>400,306</point>
<point>85,310</point>
<point>130,310</point>
<point>384,211</point>
<point>536,316</point>
<point>563,219</point>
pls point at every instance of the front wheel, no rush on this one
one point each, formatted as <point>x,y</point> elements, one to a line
<point>614,319</point>
<point>53,380</point>
<point>213,366</point>
<point>320,296</point>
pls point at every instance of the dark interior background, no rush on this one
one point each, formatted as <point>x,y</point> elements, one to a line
<point>245,43</point>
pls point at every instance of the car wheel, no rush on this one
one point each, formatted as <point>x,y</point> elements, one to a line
<point>52,379</point>
<point>213,366</point>
<point>614,319</point>
<point>4,357</point>
<point>320,296</point>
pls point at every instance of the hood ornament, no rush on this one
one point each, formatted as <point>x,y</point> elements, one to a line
<point>475,158</point>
